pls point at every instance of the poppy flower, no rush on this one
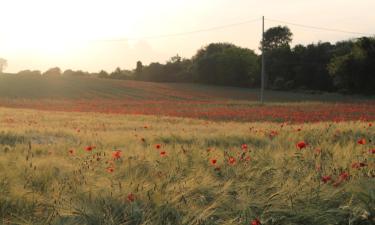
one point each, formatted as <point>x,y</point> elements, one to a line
<point>71,151</point>
<point>143,140</point>
<point>131,197</point>
<point>361,141</point>
<point>325,179</point>
<point>158,146</point>
<point>116,154</point>
<point>244,146</point>
<point>110,169</point>
<point>89,148</point>
<point>301,145</point>
<point>163,153</point>
<point>372,151</point>
<point>213,161</point>
<point>370,124</point>
<point>344,176</point>
<point>358,165</point>
<point>255,222</point>
<point>231,160</point>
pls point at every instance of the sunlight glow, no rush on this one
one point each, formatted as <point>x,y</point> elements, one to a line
<point>75,33</point>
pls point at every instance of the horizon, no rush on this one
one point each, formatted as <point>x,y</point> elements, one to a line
<point>109,36</point>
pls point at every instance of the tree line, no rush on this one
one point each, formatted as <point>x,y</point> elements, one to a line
<point>346,66</point>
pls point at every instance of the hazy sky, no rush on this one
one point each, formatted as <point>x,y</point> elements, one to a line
<point>77,34</point>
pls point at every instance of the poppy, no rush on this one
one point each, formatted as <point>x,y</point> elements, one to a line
<point>344,176</point>
<point>116,154</point>
<point>361,141</point>
<point>372,151</point>
<point>255,222</point>
<point>89,148</point>
<point>358,165</point>
<point>232,160</point>
<point>370,124</point>
<point>131,197</point>
<point>71,151</point>
<point>110,169</point>
<point>158,146</point>
<point>244,146</point>
<point>213,161</point>
<point>163,153</point>
<point>301,145</point>
<point>325,179</point>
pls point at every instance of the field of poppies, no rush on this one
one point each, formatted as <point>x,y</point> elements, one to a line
<point>90,151</point>
<point>95,168</point>
<point>82,94</point>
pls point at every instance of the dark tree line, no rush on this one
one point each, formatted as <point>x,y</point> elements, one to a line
<point>346,66</point>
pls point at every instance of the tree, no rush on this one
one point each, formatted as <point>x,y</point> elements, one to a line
<point>226,64</point>
<point>354,72</point>
<point>310,66</point>
<point>139,68</point>
<point>278,56</point>
<point>276,37</point>
<point>55,71</point>
<point>3,64</point>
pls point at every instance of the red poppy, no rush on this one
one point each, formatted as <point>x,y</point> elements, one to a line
<point>110,169</point>
<point>299,129</point>
<point>244,146</point>
<point>231,160</point>
<point>255,222</point>
<point>163,153</point>
<point>71,151</point>
<point>116,154</point>
<point>361,141</point>
<point>158,146</point>
<point>325,179</point>
<point>344,176</point>
<point>370,124</point>
<point>89,148</point>
<point>358,165</point>
<point>301,145</point>
<point>213,161</point>
<point>372,151</point>
<point>143,140</point>
<point>273,134</point>
<point>131,197</point>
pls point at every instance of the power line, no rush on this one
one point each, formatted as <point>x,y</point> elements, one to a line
<point>320,28</point>
<point>183,33</point>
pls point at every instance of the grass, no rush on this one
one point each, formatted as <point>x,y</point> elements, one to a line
<point>41,182</point>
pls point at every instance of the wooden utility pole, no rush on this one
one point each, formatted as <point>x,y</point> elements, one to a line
<point>263,66</point>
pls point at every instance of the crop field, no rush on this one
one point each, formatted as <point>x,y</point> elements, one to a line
<point>90,151</point>
<point>80,94</point>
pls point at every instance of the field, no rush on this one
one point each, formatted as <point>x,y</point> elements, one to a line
<point>82,94</point>
<point>90,151</point>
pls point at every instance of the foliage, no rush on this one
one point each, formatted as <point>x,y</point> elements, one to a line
<point>355,71</point>
<point>3,64</point>
<point>226,64</point>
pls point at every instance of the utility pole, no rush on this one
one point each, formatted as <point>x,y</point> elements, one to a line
<point>263,66</point>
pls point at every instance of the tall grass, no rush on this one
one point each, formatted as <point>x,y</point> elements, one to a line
<point>41,182</point>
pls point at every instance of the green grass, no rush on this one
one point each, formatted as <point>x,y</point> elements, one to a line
<point>41,183</point>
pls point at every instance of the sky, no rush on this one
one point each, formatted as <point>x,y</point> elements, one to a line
<point>91,35</point>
